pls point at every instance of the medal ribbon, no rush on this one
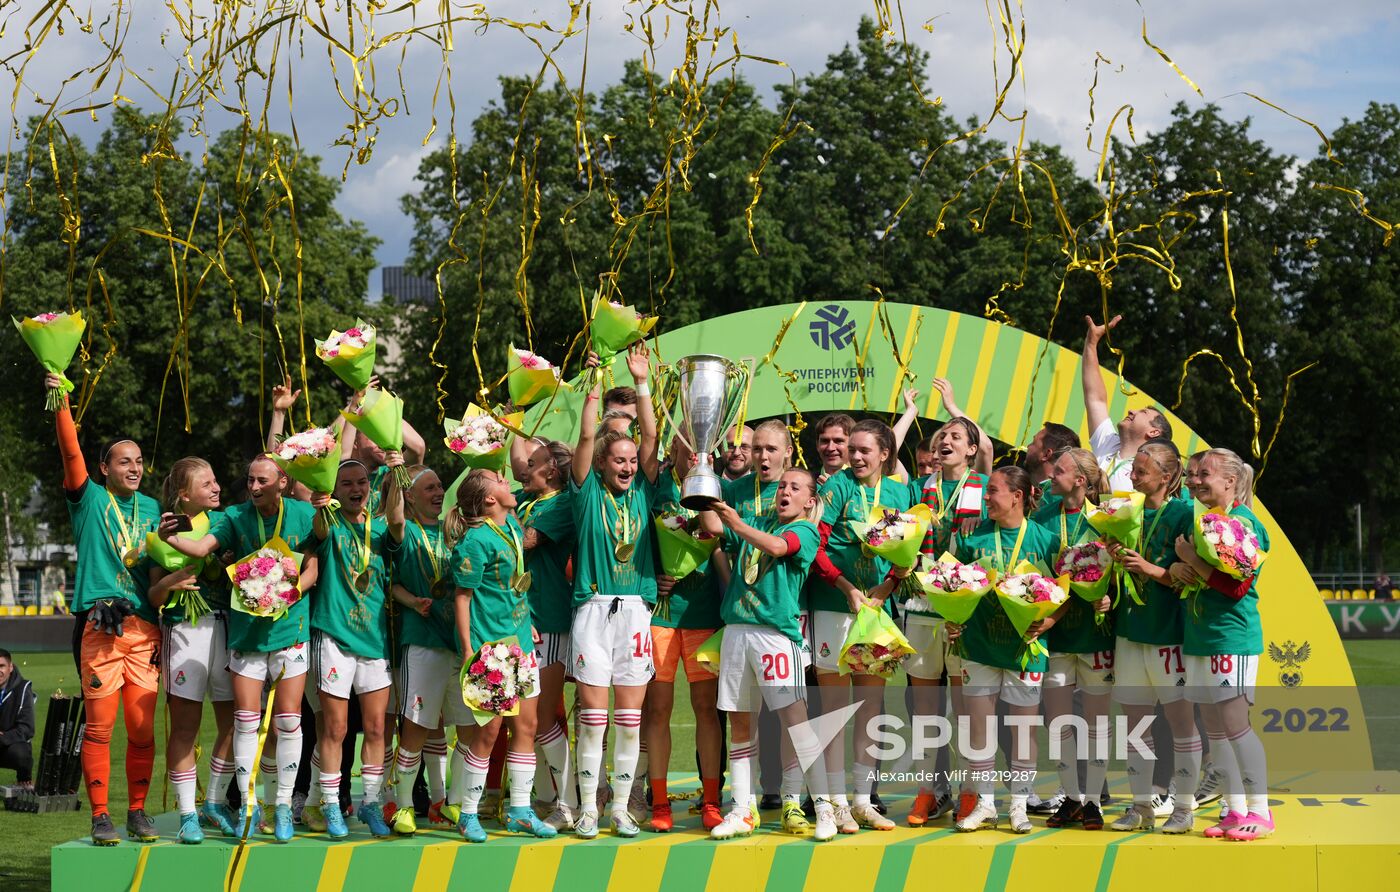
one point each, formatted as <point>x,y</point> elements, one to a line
<point>122,531</point>
<point>866,506</point>
<point>1064,528</point>
<point>432,549</point>
<point>1015,551</point>
<point>515,544</point>
<point>277,530</point>
<point>952,499</point>
<point>624,517</point>
<point>539,500</point>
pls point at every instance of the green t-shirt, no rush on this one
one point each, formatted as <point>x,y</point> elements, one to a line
<point>357,620</point>
<point>242,530</point>
<point>423,560</point>
<point>1077,631</point>
<point>949,503</point>
<point>774,600</point>
<point>485,562</point>
<point>739,495</point>
<point>551,597</point>
<point>599,526</point>
<point>989,637</point>
<point>694,600</point>
<point>846,502</point>
<point>99,518</point>
<point>1158,620</point>
<point>1216,624</point>
<point>376,489</point>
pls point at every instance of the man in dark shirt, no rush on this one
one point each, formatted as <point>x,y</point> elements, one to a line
<point>16,721</point>
<point>1385,589</point>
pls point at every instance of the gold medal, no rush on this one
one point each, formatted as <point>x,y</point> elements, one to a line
<point>520,582</point>
<point>623,551</point>
<point>130,556</point>
<point>362,581</point>
<point>751,573</point>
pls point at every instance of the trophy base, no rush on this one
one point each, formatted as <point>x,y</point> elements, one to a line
<point>701,489</point>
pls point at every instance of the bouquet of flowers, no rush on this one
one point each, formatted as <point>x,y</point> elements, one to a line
<point>874,645</point>
<point>708,653</point>
<point>1088,567</point>
<point>350,353</point>
<point>379,416</point>
<point>168,558</point>
<point>311,457</point>
<point>530,377</point>
<point>478,439</point>
<point>497,679</point>
<point>53,338</point>
<point>1226,543</point>
<point>616,327</point>
<point>895,535</point>
<point>950,589</point>
<point>683,544</point>
<point>265,582</point>
<point>1027,596</point>
<point>1119,519</point>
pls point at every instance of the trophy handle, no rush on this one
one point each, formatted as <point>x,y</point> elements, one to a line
<point>667,401</point>
<point>743,377</point>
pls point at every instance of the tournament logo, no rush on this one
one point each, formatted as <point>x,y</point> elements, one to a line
<point>180,677</point>
<point>833,328</point>
<point>1290,657</point>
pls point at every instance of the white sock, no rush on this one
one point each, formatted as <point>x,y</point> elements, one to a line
<point>629,739</point>
<point>554,743</point>
<point>330,789</point>
<point>811,753</point>
<point>981,770</point>
<point>435,760</point>
<point>836,787</point>
<point>521,767</point>
<point>219,771</point>
<point>474,783</point>
<point>791,787</point>
<point>183,782</point>
<point>267,768</point>
<point>1097,768</point>
<point>313,795</point>
<point>371,779</point>
<point>1066,766</point>
<point>1140,771</point>
<point>1186,770</point>
<point>741,761</point>
<point>288,754</point>
<point>408,763</point>
<point>1249,752</point>
<point>592,728</point>
<point>457,790</point>
<point>245,747</point>
<point>1022,782</point>
<point>863,781</point>
<point>1224,757</point>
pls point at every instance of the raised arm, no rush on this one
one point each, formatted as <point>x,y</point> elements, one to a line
<point>1095,394</point>
<point>192,548</point>
<point>906,421</point>
<point>639,364</point>
<point>773,546</point>
<point>983,462</point>
<point>393,499</point>
<point>283,398</point>
<point>521,448</point>
<point>414,446</point>
<point>587,427</point>
<point>75,475</point>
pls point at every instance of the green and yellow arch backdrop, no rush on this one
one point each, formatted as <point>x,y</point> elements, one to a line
<point>841,355</point>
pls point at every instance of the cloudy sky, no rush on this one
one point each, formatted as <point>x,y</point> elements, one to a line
<point>1323,62</point>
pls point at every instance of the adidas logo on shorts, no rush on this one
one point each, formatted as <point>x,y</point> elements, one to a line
<point>1181,682</point>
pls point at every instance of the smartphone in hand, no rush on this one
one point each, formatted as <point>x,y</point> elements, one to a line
<point>183,524</point>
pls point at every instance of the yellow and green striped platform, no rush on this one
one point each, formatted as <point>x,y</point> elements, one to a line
<point>1325,841</point>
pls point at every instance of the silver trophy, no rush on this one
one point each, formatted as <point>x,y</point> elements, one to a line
<point>702,395</point>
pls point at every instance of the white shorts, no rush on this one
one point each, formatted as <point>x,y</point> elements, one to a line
<point>610,643</point>
<point>1221,677</point>
<point>829,630</point>
<point>338,673</point>
<point>553,647</point>
<point>1017,688</point>
<point>428,683</point>
<point>804,627</point>
<point>758,659</point>
<point>194,659</point>
<point>928,635</point>
<point>1090,673</point>
<point>1148,674</point>
<point>289,662</point>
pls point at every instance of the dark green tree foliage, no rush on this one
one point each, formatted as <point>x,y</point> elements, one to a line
<point>226,367</point>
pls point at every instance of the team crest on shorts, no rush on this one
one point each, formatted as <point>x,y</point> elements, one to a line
<point>333,676</point>
<point>180,677</point>
<point>417,702</point>
<point>825,651</point>
<point>1290,657</point>
<point>578,664</point>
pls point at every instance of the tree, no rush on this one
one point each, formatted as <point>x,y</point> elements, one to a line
<point>208,307</point>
